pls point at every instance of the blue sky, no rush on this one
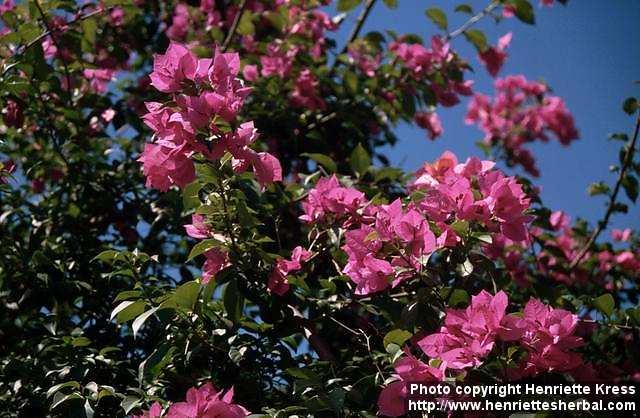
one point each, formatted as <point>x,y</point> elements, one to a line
<point>588,52</point>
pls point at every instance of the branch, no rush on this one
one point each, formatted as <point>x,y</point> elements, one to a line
<point>55,42</point>
<point>472,20</point>
<point>359,23</point>
<point>234,26</point>
<point>602,225</point>
<point>50,31</point>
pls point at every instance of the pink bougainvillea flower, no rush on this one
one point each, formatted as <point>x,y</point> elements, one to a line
<point>392,399</point>
<point>154,412</point>
<point>173,67</point>
<point>250,72</point>
<point>429,121</point>
<point>216,260</point>
<point>621,235</point>
<point>559,220</point>
<point>207,402</point>
<point>548,336</point>
<point>278,61</point>
<point>522,111</point>
<point>198,227</point>
<point>49,48</point>
<point>12,115</point>
<point>267,168</point>
<point>278,283</point>
<point>494,57</point>
<point>108,114</point>
<point>99,78</point>
<point>164,167</point>
<point>467,335</point>
<point>329,197</point>
<point>305,93</point>
<point>179,23</point>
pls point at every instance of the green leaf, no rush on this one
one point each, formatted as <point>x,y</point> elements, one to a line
<point>630,105</point>
<point>202,247</point>
<point>458,297</point>
<point>246,26</point>
<point>130,403</point>
<point>128,310</point>
<point>186,295</point>
<point>56,388</point>
<point>80,342</point>
<point>107,256</point>
<point>630,184</point>
<point>392,4</point>
<point>598,188</point>
<point>127,294</point>
<point>460,227</point>
<point>190,195</point>
<point>465,268</point>
<point>350,80</point>
<point>323,160</point>
<point>438,17</point>
<point>604,304</point>
<point>482,237</point>
<point>388,173</point>
<point>57,401</point>
<point>523,11</point>
<point>233,301</point>
<point>137,324</point>
<point>346,5</point>
<point>634,314</point>
<point>477,39</point>
<point>153,365</point>
<point>397,337</point>
<point>463,8</point>
<point>360,160</point>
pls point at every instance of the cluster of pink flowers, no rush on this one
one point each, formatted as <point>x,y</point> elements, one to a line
<point>494,56</point>
<point>202,402</point>
<point>304,21</point>
<point>188,19</point>
<point>469,335</point>
<point>99,78</point>
<point>423,63</point>
<point>278,60</point>
<point>206,94</point>
<point>522,111</point>
<point>430,122</point>
<point>278,283</point>
<point>386,244</point>
<point>450,194</point>
<point>392,399</point>
<point>305,94</point>
<point>548,336</point>
<point>367,61</point>
<point>567,248</point>
<point>329,199</point>
<point>215,258</point>
<point>312,25</point>
<point>12,114</point>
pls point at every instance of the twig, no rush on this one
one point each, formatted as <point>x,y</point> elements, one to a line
<point>359,24</point>
<point>602,225</point>
<point>472,20</point>
<point>234,26</point>
<point>592,321</point>
<point>48,32</point>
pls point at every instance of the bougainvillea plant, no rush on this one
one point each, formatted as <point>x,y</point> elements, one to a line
<point>197,219</point>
